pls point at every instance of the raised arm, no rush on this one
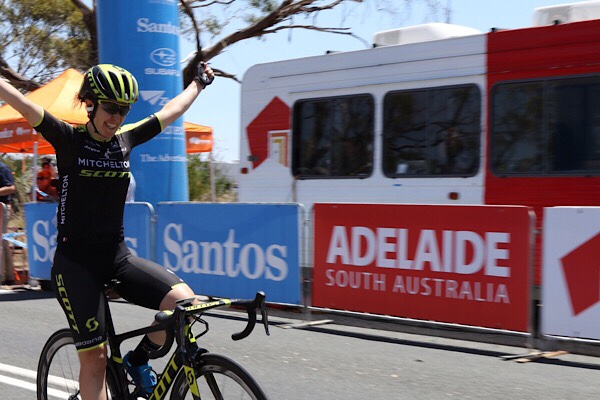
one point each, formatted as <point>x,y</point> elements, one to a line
<point>32,112</point>
<point>177,106</point>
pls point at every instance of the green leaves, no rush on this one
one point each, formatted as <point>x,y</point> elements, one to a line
<point>199,181</point>
<point>40,38</point>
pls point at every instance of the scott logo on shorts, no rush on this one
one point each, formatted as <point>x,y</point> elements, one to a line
<point>92,324</point>
<point>62,292</point>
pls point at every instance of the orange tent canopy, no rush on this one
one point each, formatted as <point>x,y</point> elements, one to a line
<point>198,138</point>
<point>58,98</point>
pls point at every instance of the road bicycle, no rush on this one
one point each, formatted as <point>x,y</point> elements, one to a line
<point>192,372</point>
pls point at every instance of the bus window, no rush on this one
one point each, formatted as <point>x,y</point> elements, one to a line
<point>546,127</point>
<point>576,105</point>
<point>333,137</point>
<point>518,142</point>
<point>432,132</point>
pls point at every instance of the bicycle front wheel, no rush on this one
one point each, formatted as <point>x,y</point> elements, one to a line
<point>219,378</point>
<point>58,370</point>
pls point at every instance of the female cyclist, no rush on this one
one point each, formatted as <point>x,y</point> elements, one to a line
<point>94,171</point>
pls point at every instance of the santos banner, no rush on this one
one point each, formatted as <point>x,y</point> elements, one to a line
<point>232,250</point>
<point>142,36</point>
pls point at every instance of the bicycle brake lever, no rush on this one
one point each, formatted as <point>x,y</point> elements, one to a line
<point>265,318</point>
<point>262,304</point>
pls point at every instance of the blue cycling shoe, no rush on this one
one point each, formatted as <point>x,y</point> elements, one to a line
<point>143,376</point>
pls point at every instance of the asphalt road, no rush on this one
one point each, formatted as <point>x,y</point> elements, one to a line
<point>324,362</point>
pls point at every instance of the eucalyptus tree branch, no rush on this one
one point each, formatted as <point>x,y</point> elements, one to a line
<point>16,79</point>
<point>89,19</point>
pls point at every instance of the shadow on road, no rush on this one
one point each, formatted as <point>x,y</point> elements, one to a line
<point>381,337</point>
<point>448,347</point>
<point>24,293</point>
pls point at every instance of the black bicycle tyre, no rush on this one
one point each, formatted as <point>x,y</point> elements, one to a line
<point>219,364</point>
<point>57,341</point>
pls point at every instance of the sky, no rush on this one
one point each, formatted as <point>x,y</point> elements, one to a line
<point>219,105</point>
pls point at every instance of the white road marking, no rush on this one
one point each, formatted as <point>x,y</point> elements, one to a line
<point>17,382</point>
<point>26,373</point>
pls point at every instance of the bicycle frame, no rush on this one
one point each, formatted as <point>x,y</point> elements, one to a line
<point>177,325</point>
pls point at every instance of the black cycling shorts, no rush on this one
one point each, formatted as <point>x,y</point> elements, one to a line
<point>79,275</point>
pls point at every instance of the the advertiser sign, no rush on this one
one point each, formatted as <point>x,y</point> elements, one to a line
<point>142,36</point>
<point>40,221</point>
<point>232,250</point>
<point>468,265</point>
<point>571,272</point>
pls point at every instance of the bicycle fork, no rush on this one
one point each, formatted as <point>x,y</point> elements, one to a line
<point>190,354</point>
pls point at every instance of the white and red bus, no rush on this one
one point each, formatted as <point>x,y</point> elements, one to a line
<point>445,116</point>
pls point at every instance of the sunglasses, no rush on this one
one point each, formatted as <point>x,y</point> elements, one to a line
<point>114,108</point>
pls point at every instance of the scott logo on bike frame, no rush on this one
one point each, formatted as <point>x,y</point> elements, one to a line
<point>166,379</point>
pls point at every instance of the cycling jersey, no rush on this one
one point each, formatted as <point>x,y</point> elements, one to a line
<point>91,251</point>
<point>94,177</point>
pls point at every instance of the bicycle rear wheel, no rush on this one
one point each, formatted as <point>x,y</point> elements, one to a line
<point>219,378</point>
<point>58,369</point>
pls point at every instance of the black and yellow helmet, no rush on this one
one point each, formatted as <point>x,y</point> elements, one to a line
<point>109,82</point>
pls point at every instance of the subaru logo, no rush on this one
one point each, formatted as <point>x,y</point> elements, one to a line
<point>164,57</point>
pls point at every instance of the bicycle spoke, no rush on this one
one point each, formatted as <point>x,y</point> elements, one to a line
<point>218,386</point>
<point>219,378</point>
<point>63,374</point>
<point>212,384</point>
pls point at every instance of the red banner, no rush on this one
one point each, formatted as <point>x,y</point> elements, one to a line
<point>468,265</point>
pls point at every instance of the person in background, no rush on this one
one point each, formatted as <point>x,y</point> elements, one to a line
<point>45,180</point>
<point>7,189</point>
